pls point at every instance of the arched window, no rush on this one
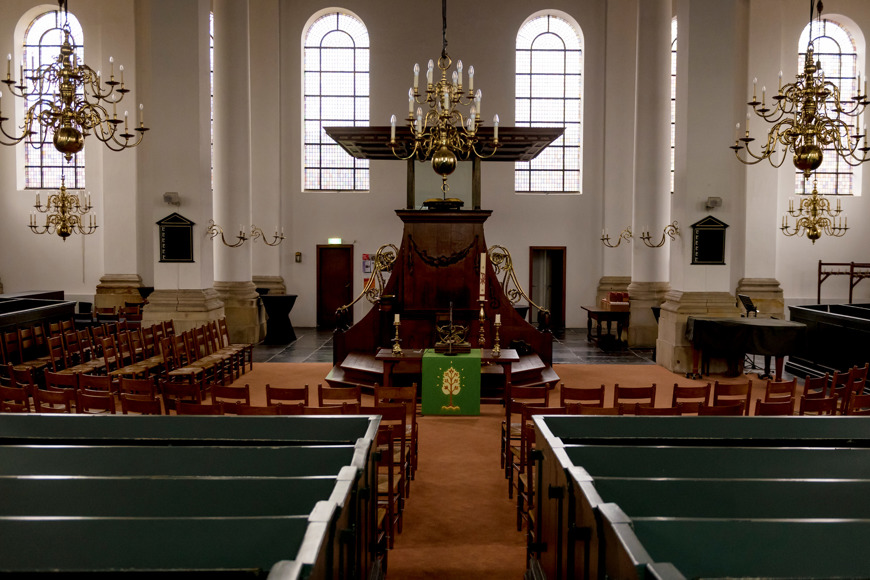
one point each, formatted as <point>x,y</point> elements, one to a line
<point>673,96</point>
<point>43,164</point>
<point>549,86</point>
<point>835,48</point>
<point>336,93</point>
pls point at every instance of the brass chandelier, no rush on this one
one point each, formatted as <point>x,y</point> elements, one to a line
<point>442,132</point>
<point>67,214</point>
<point>808,116</point>
<point>72,102</point>
<point>814,217</point>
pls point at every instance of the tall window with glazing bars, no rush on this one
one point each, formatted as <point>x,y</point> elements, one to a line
<point>549,87</point>
<point>336,93</point>
<point>835,48</point>
<point>43,164</point>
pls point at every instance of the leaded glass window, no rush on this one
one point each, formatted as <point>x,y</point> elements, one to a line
<point>549,86</point>
<point>43,164</point>
<point>835,48</point>
<point>336,93</point>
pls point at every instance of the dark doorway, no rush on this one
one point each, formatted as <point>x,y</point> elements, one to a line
<point>334,281</point>
<point>547,284</point>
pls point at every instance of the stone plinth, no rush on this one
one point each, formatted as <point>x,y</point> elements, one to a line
<point>643,328</point>
<point>243,311</point>
<point>114,290</point>
<point>766,295</point>
<point>274,284</point>
<point>673,350</point>
<point>186,308</point>
<point>611,284</point>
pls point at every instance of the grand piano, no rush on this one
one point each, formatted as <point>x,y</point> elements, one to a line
<point>732,338</point>
<point>435,271</point>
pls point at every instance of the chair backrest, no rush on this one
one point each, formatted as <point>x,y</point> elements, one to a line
<point>538,396</point>
<point>858,405</point>
<point>57,381</point>
<point>729,393</point>
<point>72,346</point>
<point>149,345</point>
<point>252,410</point>
<point>138,387</point>
<point>774,407</point>
<point>11,348</point>
<point>581,409</point>
<point>97,383</point>
<point>818,406</point>
<point>232,397</point>
<point>22,377</point>
<point>778,391</point>
<point>292,409</point>
<point>816,387</point>
<point>730,409</point>
<point>333,410</point>
<point>691,394</point>
<point>175,393</point>
<point>14,400</point>
<point>186,408</point>
<point>168,327</point>
<point>589,396</point>
<point>57,352</point>
<point>141,405</point>
<point>53,401</point>
<point>86,345</point>
<point>28,345</point>
<point>93,402</point>
<point>626,398</point>
<point>335,396</point>
<point>649,410</point>
<point>275,395</point>
<point>110,354</point>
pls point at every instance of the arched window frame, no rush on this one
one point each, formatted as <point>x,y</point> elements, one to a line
<point>834,43</point>
<point>558,103</point>
<point>335,87</point>
<point>43,164</point>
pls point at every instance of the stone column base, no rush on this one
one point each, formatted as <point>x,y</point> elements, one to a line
<point>275,284</point>
<point>643,328</point>
<point>114,290</point>
<point>186,309</point>
<point>242,308</point>
<point>673,350</point>
<point>766,295</point>
<point>611,284</point>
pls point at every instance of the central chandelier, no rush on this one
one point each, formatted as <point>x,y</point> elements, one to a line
<point>814,217</point>
<point>67,214</point>
<point>442,132</point>
<point>808,116</point>
<point>72,101</point>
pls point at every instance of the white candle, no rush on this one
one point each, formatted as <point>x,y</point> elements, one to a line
<point>141,114</point>
<point>459,70</point>
<point>411,102</point>
<point>8,65</point>
<point>429,71</point>
<point>495,128</point>
<point>780,81</point>
<point>483,275</point>
<point>498,318</point>
<point>470,79</point>
<point>392,128</point>
<point>112,66</point>
<point>416,75</point>
<point>122,74</point>
<point>396,319</point>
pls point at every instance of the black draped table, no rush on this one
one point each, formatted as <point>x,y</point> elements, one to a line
<point>279,329</point>
<point>734,337</point>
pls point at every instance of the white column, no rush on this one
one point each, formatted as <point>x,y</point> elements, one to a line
<point>652,203</point>
<point>232,167</point>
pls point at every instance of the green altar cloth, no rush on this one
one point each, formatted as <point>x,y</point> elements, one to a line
<point>451,384</point>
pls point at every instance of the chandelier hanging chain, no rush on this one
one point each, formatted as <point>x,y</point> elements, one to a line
<point>72,101</point>
<point>442,132</point>
<point>808,116</point>
<point>65,213</point>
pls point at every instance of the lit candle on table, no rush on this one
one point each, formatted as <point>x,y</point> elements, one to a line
<point>483,276</point>
<point>498,318</point>
<point>396,319</point>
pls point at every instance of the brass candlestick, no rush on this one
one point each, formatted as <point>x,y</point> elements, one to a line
<point>481,339</point>
<point>397,349</point>
<point>496,347</point>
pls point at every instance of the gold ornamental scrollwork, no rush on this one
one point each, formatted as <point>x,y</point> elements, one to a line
<point>384,259</point>
<point>502,263</point>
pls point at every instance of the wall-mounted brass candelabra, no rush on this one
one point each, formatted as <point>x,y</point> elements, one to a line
<point>670,231</point>
<point>65,214</point>
<point>215,230</point>
<point>258,233</point>
<point>623,235</point>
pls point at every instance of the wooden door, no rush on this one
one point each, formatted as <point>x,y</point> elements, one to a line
<point>334,281</point>
<point>547,284</point>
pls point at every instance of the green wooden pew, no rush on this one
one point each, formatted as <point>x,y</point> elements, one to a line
<point>716,462</point>
<point>734,548</point>
<point>108,460</point>
<point>187,430</point>
<point>707,431</point>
